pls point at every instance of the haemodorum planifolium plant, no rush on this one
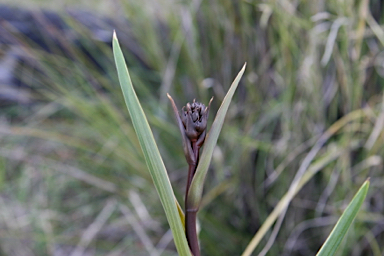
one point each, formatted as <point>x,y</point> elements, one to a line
<point>192,123</point>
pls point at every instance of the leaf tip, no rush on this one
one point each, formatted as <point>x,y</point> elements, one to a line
<point>242,70</point>
<point>367,181</point>
<point>209,104</point>
<point>173,106</point>
<point>114,35</point>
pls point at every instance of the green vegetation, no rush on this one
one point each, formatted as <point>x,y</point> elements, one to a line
<point>333,241</point>
<point>303,132</point>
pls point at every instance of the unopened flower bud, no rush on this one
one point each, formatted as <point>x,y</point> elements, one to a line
<point>194,117</point>
<point>192,123</point>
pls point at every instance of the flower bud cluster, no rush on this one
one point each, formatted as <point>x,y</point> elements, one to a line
<point>192,124</point>
<point>194,118</point>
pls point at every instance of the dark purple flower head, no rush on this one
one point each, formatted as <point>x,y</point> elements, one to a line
<point>192,123</point>
<point>194,117</point>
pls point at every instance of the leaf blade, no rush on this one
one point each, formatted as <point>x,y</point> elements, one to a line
<point>151,153</point>
<point>338,232</point>
<point>196,189</point>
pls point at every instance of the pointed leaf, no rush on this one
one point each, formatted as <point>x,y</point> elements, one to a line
<point>181,213</point>
<point>151,153</point>
<point>196,189</point>
<point>334,239</point>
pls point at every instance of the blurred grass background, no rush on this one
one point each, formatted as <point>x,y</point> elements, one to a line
<point>72,176</point>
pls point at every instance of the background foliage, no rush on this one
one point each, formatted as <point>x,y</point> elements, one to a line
<point>72,177</point>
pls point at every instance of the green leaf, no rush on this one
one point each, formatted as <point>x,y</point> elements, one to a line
<point>181,213</point>
<point>196,189</point>
<point>334,239</point>
<point>151,153</point>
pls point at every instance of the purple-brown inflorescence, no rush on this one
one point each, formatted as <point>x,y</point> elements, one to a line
<point>194,117</point>
<point>192,123</point>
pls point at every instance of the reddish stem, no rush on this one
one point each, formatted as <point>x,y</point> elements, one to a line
<point>191,213</point>
<point>191,232</point>
<point>191,172</point>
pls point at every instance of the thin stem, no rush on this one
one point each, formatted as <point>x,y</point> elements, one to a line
<point>191,172</point>
<point>191,214</point>
<point>191,232</point>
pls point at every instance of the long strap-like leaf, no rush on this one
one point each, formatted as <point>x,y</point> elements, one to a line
<point>151,153</point>
<point>333,241</point>
<point>196,189</point>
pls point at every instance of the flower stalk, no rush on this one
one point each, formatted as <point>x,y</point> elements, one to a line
<point>192,123</point>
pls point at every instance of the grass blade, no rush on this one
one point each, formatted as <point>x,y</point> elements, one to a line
<point>334,239</point>
<point>151,153</point>
<point>196,189</point>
